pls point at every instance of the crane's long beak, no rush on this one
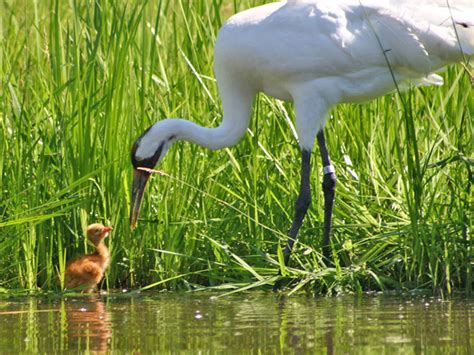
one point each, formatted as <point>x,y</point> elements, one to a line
<point>140,178</point>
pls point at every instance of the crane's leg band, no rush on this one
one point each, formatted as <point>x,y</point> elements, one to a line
<point>329,190</point>
<point>329,169</point>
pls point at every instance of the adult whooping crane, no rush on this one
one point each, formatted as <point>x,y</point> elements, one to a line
<point>316,54</point>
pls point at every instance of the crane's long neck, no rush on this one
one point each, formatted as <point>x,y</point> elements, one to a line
<point>234,125</point>
<point>237,105</point>
<point>225,135</point>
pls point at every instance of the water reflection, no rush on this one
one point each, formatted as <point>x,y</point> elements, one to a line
<point>250,323</point>
<point>87,319</point>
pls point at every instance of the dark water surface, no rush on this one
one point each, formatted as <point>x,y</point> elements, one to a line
<point>250,323</point>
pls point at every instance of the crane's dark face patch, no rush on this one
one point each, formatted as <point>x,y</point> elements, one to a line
<point>147,162</point>
<point>150,161</point>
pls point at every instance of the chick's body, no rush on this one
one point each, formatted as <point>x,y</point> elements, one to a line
<point>86,271</point>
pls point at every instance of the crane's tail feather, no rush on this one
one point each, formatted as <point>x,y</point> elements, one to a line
<point>452,17</point>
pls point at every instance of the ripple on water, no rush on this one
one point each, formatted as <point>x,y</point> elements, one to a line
<point>255,322</point>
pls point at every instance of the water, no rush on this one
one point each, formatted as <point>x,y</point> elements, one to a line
<point>250,323</point>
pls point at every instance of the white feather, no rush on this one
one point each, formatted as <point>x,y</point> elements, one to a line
<point>318,53</point>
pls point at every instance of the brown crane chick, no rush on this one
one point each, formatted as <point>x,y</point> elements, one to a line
<point>86,271</point>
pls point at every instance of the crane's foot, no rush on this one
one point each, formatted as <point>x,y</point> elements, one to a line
<point>277,285</point>
<point>280,283</point>
<point>327,257</point>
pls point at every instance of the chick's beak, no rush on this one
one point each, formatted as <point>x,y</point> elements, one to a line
<point>140,178</point>
<point>106,230</point>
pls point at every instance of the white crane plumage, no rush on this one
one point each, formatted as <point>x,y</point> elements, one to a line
<point>316,54</point>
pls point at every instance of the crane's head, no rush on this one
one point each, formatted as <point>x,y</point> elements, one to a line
<point>147,151</point>
<point>96,232</point>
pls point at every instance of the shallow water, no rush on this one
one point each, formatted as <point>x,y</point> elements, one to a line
<point>249,323</point>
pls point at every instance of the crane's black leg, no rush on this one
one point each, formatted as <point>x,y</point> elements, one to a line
<point>304,200</point>
<point>329,189</point>
<point>301,206</point>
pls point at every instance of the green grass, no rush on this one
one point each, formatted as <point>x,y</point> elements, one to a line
<point>81,80</point>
